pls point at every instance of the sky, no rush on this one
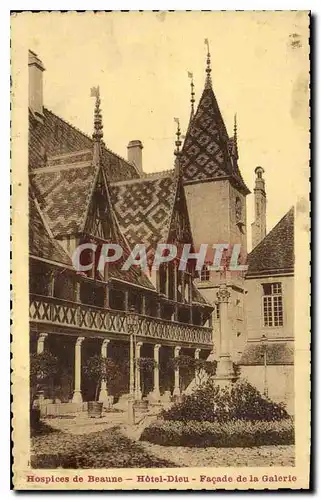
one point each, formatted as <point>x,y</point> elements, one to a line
<point>260,70</point>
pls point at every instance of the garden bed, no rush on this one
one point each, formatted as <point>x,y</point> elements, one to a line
<point>239,433</point>
<point>104,449</point>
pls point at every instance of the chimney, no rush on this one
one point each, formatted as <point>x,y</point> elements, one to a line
<point>134,154</point>
<point>259,224</point>
<point>36,69</point>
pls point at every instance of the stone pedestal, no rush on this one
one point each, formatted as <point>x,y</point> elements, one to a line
<point>176,391</point>
<point>77,396</point>
<point>224,371</point>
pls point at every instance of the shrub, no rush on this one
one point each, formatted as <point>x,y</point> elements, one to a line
<point>232,434</point>
<point>212,403</point>
<point>98,368</point>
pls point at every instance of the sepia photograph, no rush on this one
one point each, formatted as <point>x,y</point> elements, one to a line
<point>163,201</point>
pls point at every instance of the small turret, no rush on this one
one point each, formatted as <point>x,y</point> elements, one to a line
<point>259,224</point>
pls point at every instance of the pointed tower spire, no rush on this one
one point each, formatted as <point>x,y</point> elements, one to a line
<point>177,151</point>
<point>236,151</point>
<point>98,123</point>
<point>190,75</point>
<point>208,81</point>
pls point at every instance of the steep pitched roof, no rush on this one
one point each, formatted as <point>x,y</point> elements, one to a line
<point>144,208</point>
<point>55,137</point>
<point>64,189</point>
<point>41,243</point>
<point>199,298</point>
<point>275,253</point>
<point>133,276</point>
<point>206,153</point>
<point>277,353</point>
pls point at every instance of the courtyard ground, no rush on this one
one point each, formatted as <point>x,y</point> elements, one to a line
<point>80,442</point>
<point>262,456</point>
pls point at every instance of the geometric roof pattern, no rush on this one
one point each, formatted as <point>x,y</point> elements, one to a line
<point>144,209</point>
<point>275,253</point>
<point>55,137</point>
<point>206,153</point>
<point>41,244</point>
<point>64,192</point>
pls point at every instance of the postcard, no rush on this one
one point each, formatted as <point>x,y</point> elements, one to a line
<point>160,237</point>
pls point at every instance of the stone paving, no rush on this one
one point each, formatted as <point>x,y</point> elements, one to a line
<point>80,423</point>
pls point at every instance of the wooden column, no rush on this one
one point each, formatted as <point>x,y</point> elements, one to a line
<point>167,279</point>
<point>77,299</point>
<point>175,291</point>
<point>156,392</point>
<point>52,278</point>
<point>138,391</point>
<point>183,285</point>
<point>143,309</point>
<point>190,289</point>
<point>126,300</point>
<point>106,296</point>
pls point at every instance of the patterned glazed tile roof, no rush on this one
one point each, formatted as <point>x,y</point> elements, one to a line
<point>275,253</point>
<point>41,243</point>
<point>64,191</point>
<point>144,209</point>
<point>198,297</point>
<point>55,137</point>
<point>277,353</point>
<point>133,275</point>
<point>206,151</point>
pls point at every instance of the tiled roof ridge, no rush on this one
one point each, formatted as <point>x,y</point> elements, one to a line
<point>141,180</point>
<point>57,168</point>
<point>90,138</point>
<point>90,195</point>
<point>275,253</point>
<point>160,173</point>
<point>262,242</point>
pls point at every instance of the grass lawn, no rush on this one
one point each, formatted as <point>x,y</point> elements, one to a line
<point>103,449</point>
<point>258,456</point>
<point>110,449</point>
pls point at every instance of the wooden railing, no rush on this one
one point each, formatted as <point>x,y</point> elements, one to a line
<point>58,312</point>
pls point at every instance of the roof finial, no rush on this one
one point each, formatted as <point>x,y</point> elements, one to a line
<point>178,141</point>
<point>98,123</point>
<point>177,151</point>
<point>190,75</point>
<point>208,81</point>
<point>236,152</point>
